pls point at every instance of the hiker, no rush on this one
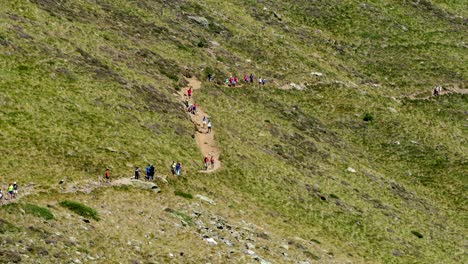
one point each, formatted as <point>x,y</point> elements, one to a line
<point>236,80</point>
<point>210,77</point>
<point>194,109</point>
<point>227,81</point>
<point>263,81</point>
<point>212,161</point>
<point>178,167</point>
<point>205,162</point>
<point>209,126</point>
<point>10,191</point>
<point>186,103</point>
<point>1,196</point>
<point>252,78</point>
<point>152,172</point>
<point>148,172</point>
<point>137,173</point>
<point>107,175</point>
<point>260,80</point>
<point>189,92</point>
<point>204,122</point>
<point>173,168</point>
<point>435,92</point>
<point>246,78</point>
<point>15,189</point>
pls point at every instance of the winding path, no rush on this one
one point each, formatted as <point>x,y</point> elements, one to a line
<point>445,91</point>
<point>205,141</point>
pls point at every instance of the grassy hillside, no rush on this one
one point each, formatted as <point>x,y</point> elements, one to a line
<point>351,168</point>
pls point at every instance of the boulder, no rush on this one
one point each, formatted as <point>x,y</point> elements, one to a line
<point>200,20</point>
<point>205,199</point>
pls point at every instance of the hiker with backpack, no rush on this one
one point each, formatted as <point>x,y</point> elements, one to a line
<point>148,171</point>
<point>137,173</point>
<point>178,168</point>
<point>205,162</point>
<point>204,122</point>
<point>252,78</point>
<point>151,173</point>
<point>15,189</point>
<point>173,168</point>
<point>189,92</point>
<point>10,191</point>
<point>209,127</point>
<point>212,161</point>
<point>210,77</point>
<point>1,196</point>
<point>107,175</point>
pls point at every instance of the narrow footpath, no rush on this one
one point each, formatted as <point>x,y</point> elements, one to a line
<point>205,141</point>
<point>416,96</point>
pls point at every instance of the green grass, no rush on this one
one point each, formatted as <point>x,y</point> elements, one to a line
<point>42,212</point>
<point>80,209</point>
<point>106,71</point>
<point>38,211</point>
<point>183,194</point>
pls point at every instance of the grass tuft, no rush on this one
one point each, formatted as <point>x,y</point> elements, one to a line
<point>38,211</point>
<point>183,194</point>
<point>80,209</point>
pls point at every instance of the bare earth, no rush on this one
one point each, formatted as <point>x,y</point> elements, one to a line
<point>205,141</point>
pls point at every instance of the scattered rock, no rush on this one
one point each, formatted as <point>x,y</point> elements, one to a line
<point>416,233</point>
<point>161,179</point>
<point>51,241</point>
<point>111,149</point>
<point>211,241</point>
<point>205,199</point>
<point>299,87</point>
<point>349,169</point>
<point>86,221</point>
<point>250,246</point>
<point>278,16</point>
<point>200,20</point>
<point>285,246</point>
<point>10,257</point>
<point>263,235</point>
<point>397,253</point>
<point>318,74</point>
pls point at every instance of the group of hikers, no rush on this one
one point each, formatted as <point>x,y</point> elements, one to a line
<point>437,90</point>
<point>192,108</point>
<point>233,81</point>
<point>208,162</point>
<point>12,190</point>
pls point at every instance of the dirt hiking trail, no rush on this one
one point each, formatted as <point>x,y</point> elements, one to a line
<point>205,141</point>
<point>452,90</point>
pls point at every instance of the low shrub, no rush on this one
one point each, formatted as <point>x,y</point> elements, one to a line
<point>80,209</point>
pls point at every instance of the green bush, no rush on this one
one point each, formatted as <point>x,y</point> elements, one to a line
<point>6,227</point>
<point>29,209</point>
<point>38,211</point>
<point>183,194</point>
<point>368,117</point>
<point>80,209</point>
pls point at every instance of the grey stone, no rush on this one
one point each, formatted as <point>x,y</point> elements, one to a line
<point>200,20</point>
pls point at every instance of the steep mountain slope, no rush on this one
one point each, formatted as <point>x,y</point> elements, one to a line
<point>335,160</point>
